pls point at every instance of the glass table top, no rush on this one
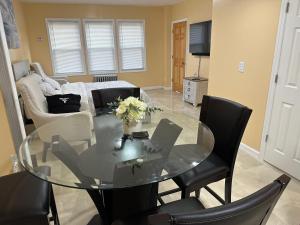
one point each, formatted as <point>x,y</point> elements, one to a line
<point>68,153</point>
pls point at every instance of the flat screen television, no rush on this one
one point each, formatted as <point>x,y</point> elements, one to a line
<point>200,36</point>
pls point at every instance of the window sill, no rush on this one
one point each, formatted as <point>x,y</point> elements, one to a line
<point>62,75</point>
<point>133,71</point>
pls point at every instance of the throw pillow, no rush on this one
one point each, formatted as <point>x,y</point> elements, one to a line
<point>52,82</point>
<point>48,90</point>
<point>63,103</point>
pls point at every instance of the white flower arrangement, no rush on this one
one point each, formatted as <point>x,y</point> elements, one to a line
<point>131,110</point>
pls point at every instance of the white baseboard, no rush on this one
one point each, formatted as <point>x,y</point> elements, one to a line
<point>156,87</point>
<point>250,151</point>
<point>152,88</point>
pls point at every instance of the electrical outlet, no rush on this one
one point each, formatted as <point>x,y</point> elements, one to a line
<point>242,67</point>
<point>39,39</point>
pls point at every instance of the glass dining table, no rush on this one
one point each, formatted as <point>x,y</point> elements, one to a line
<point>121,175</point>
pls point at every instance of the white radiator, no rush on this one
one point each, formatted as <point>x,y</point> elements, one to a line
<point>105,77</point>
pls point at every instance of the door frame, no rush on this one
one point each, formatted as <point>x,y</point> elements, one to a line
<point>187,46</point>
<point>275,70</point>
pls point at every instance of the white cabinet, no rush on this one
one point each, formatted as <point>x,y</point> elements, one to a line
<point>194,89</point>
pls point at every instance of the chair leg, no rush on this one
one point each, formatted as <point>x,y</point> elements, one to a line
<point>197,193</point>
<point>228,188</point>
<point>45,150</point>
<point>53,207</point>
<point>185,194</point>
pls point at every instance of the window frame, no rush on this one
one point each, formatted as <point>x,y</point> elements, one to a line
<point>83,57</point>
<point>118,21</point>
<point>115,43</point>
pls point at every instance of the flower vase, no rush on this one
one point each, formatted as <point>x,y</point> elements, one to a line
<point>126,128</point>
<point>147,118</point>
<point>130,127</point>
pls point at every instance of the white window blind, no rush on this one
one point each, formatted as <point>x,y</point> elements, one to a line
<point>66,48</point>
<point>131,45</point>
<point>100,43</point>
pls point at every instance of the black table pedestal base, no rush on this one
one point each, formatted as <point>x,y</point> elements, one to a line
<point>122,203</point>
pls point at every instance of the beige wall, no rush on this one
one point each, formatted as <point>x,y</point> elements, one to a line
<point>194,11</point>
<point>244,31</point>
<point>167,46</point>
<point>237,35</point>
<point>155,32</point>
<point>6,143</point>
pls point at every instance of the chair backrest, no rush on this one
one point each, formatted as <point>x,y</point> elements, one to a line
<point>165,136</point>
<point>227,120</point>
<point>37,67</point>
<point>252,210</point>
<point>104,96</point>
<point>32,95</point>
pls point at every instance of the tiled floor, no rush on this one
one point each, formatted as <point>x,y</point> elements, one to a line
<point>76,208</point>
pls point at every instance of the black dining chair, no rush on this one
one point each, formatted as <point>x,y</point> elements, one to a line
<point>227,121</point>
<point>254,209</point>
<point>102,97</point>
<point>26,200</point>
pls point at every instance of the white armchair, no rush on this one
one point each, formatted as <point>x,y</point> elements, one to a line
<point>80,124</point>
<point>35,102</point>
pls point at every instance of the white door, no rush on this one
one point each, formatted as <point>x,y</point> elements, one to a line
<point>283,146</point>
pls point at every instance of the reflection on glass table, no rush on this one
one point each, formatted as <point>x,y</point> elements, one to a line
<point>65,153</point>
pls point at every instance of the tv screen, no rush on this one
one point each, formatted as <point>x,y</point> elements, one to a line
<point>200,35</point>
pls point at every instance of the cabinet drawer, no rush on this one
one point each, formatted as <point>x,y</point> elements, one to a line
<point>188,97</point>
<point>188,89</point>
<point>187,83</point>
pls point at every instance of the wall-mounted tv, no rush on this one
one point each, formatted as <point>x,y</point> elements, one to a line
<point>200,35</point>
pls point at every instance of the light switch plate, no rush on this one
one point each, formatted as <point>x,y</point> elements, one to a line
<point>242,67</point>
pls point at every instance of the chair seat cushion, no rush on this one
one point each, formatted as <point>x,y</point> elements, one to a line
<point>181,206</point>
<point>33,220</point>
<point>210,170</point>
<point>23,195</point>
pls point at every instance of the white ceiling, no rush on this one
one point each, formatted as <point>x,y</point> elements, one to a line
<point>111,2</point>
